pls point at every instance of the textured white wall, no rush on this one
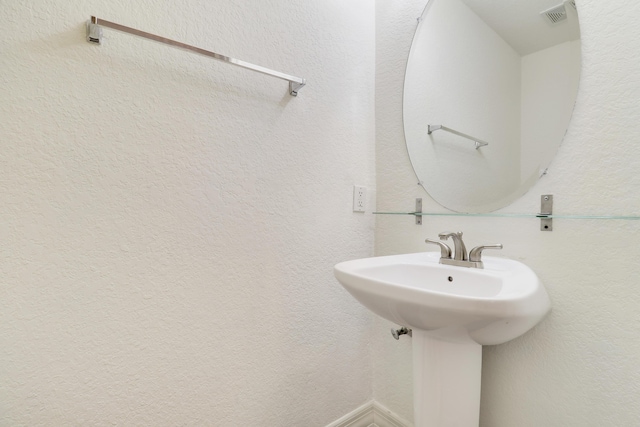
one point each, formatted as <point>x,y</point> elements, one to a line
<point>168,224</point>
<point>579,367</point>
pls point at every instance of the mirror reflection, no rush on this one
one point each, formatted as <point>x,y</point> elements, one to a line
<point>489,92</point>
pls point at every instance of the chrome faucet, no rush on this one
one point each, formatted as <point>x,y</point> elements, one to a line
<point>460,250</point>
<point>460,257</point>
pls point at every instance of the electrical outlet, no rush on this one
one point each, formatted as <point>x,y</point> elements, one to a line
<point>359,198</point>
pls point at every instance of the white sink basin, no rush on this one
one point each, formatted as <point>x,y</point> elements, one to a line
<point>492,305</point>
<point>453,311</point>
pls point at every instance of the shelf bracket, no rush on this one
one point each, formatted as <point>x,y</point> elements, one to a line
<point>546,210</point>
<point>418,211</point>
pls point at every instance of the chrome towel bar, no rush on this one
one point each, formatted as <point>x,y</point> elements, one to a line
<point>94,35</point>
<point>433,128</point>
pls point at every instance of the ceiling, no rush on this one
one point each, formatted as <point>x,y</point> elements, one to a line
<point>520,24</point>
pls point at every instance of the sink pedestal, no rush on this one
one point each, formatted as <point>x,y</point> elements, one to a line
<point>446,380</point>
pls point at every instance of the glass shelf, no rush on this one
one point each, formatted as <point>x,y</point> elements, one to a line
<point>515,215</point>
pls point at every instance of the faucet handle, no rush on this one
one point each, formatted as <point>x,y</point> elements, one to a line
<point>475,254</point>
<point>445,250</point>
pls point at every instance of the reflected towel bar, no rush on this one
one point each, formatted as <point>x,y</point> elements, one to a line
<point>433,128</point>
<point>94,35</point>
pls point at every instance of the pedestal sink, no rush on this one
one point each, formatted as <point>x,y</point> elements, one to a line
<point>452,311</point>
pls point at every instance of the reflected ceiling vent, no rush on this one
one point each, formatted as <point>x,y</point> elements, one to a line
<point>555,14</point>
<point>572,3</point>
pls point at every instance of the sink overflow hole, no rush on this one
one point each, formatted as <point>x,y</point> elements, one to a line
<point>450,279</point>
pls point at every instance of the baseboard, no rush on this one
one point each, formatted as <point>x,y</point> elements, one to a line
<point>383,417</point>
<point>359,417</point>
<point>371,414</point>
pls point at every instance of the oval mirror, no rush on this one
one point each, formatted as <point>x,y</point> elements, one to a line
<point>489,92</point>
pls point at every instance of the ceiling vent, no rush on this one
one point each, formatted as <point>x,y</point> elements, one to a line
<point>555,14</point>
<point>573,4</point>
